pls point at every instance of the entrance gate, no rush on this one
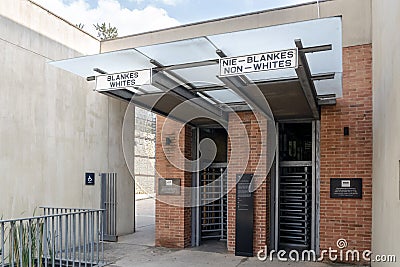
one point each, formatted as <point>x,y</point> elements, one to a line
<point>109,204</point>
<point>295,205</point>
<point>295,187</point>
<point>213,202</point>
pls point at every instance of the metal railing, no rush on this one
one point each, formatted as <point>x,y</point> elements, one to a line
<point>59,237</point>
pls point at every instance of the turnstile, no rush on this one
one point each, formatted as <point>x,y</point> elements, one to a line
<point>295,187</point>
<point>213,210</point>
<point>295,206</point>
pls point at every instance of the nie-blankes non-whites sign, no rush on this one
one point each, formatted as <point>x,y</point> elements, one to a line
<point>123,80</point>
<point>283,59</point>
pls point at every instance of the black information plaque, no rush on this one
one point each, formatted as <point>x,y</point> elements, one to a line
<point>169,186</point>
<point>346,187</point>
<point>244,216</point>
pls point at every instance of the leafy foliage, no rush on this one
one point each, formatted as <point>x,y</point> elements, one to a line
<point>105,32</point>
<point>80,26</point>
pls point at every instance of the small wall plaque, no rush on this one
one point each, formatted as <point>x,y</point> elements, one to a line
<point>346,188</point>
<point>169,186</point>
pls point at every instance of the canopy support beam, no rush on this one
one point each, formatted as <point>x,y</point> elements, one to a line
<point>170,86</point>
<point>238,84</point>
<point>305,79</point>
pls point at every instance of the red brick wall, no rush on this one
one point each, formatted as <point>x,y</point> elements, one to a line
<point>341,157</point>
<point>348,156</point>
<point>238,163</point>
<point>173,220</point>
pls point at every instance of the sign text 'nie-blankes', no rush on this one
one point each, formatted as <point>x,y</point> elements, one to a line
<point>123,80</point>
<point>283,59</point>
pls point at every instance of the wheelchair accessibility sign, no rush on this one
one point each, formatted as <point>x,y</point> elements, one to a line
<point>89,178</point>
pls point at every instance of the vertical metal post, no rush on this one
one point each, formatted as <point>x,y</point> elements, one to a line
<point>53,240</point>
<point>61,239</point>
<point>313,176</point>
<point>221,201</point>
<point>79,237</point>
<point>277,188</point>
<point>198,200</point>
<point>108,201</point>
<point>40,241</point>
<point>12,242</point>
<point>20,241</point>
<point>98,234</point>
<point>134,171</point>
<point>2,244</point>
<point>30,242</point>
<point>66,238</point>
<point>103,199</point>
<point>70,234</point>
<point>92,233</point>
<point>74,238</point>
<point>45,253</point>
<point>317,183</point>
<point>56,235</point>
<point>84,238</point>
<point>108,204</point>
<point>102,234</point>
<point>115,204</point>
<point>195,190</point>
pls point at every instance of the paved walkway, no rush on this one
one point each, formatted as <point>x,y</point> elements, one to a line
<point>138,250</point>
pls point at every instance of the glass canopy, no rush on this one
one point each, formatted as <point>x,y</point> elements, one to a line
<point>196,61</point>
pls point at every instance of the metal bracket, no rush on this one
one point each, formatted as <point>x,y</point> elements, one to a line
<point>304,74</point>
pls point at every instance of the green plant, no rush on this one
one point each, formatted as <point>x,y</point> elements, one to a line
<point>80,26</point>
<point>105,32</point>
<point>26,242</point>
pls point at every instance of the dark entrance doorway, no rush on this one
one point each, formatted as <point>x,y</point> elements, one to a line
<point>295,187</point>
<point>210,216</point>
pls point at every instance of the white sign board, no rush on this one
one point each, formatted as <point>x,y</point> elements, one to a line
<point>283,59</point>
<point>122,80</point>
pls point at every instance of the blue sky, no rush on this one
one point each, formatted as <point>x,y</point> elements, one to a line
<point>186,11</point>
<point>135,16</point>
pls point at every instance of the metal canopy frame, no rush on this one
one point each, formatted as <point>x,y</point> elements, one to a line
<point>304,74</point>
<point>179,67</point>
<point>171,83</point>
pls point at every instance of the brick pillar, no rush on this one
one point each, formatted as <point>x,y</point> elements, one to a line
<point>348,156</point>
<point>173,219</point>
<point>242,126</point>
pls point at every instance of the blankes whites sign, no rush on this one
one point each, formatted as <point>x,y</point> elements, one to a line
<point>122,80</point>
<point>283,59</point>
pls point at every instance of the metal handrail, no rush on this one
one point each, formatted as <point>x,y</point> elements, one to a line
<point>67,236</point>
<point>47,216</point>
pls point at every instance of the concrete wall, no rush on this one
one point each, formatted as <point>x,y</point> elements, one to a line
<point>54,128</point>
<point>356,16</point>
<point>386,121</point>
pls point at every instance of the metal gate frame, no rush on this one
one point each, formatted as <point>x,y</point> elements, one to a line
<point>196,194</point>
<point>213,200</point>
<point>109,204</point>
<point>315,186</point>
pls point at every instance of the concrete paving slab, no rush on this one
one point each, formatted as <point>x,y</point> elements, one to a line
<point>138,250</point>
